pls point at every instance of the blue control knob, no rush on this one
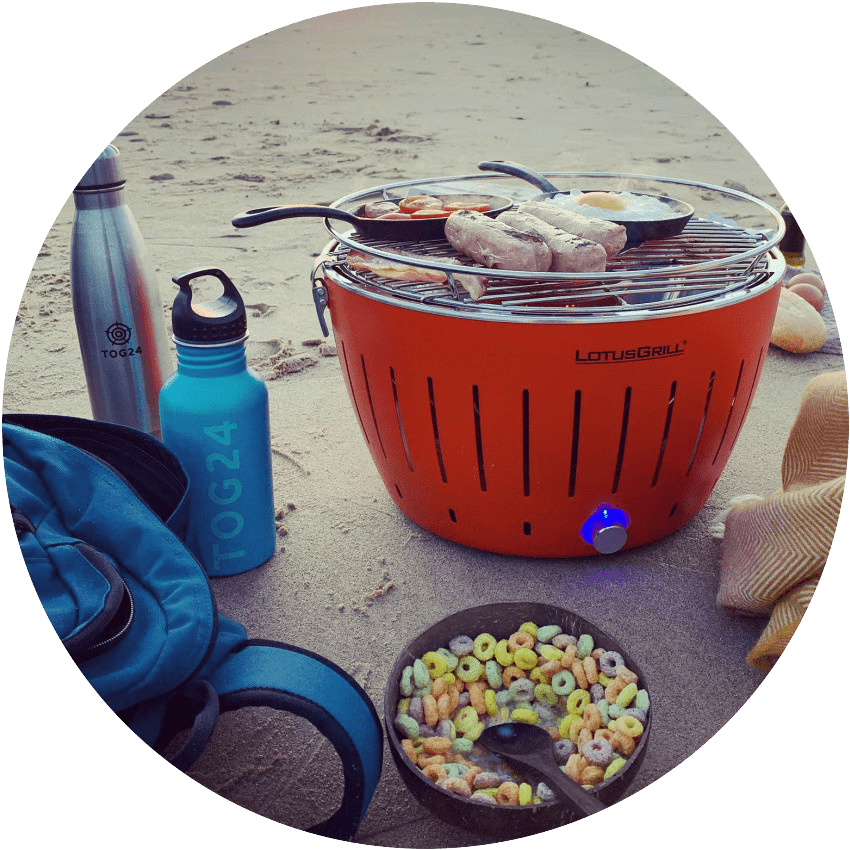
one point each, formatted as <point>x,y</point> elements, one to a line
<point>605,529</point>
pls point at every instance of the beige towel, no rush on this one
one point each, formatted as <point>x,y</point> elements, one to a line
<point>774,549</point>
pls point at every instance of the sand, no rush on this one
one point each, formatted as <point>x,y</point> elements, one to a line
<point>308,114</point>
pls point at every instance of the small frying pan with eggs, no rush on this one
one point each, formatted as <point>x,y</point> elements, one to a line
<point>670,222</point>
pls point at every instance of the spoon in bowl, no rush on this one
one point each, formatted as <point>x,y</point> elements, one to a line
<point>532,747</point>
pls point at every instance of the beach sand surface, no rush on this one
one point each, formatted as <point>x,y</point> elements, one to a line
<point>331,106</point>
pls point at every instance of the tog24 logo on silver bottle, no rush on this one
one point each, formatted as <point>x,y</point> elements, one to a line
<point>119,335</point>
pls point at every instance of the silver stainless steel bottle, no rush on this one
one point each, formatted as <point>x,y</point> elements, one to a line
<point>118,306</point>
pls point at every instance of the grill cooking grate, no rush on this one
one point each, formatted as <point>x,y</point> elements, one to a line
<point>707,262</point>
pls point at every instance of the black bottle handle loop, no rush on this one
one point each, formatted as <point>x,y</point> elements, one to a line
<point>221,320</point>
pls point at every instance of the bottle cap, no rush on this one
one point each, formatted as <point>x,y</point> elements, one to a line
<point>105,172</point>
<point>213,322</point>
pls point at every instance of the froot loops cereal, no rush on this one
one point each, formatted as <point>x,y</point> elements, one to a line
<point>591,704</point>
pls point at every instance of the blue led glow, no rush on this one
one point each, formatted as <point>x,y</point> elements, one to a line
<point>603,517</point>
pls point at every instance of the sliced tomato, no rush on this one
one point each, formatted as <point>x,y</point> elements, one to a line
<point>396,216</point>
<point>430,213</point>
<point>467,205</point>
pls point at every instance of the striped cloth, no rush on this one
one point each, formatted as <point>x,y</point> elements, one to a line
<point>774,550</point>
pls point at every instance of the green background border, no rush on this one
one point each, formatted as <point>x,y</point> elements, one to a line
<point>76,75</point>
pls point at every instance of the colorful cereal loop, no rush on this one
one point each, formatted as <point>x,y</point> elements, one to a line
<point>627,695</point>
<point>577,700</point>
<point>435,664</point>
<point>549,652</point>
<point>465,718</point>
<point>520,639</point>
<point>521,689</point>
<point>576,728</point>
<point>592,716</point>
<point>405,685</point>
<point>476,697</point>
<point>462,746</point>
<point>493,673</point>
<point>508,794</point>
<point>435,746</point>
<point>584,645</point>
<point>531,628</point>
<point>435,772</point>
<point>525,659</point>
<point>474,733</point>
<point>525,794</point>
<point>563,683</point>
<point>546,694</point>
<point>609,662</point>
<point>421,676</point>
<point>629,725</point>
<point>432,714</point>
<point>524,715</point>
<point>614,767</point>
<point>407,726</point>
<point>469,668</point>
<point>451,658</point>
<point>490,702</point>
<point>461,645</point>
<point>509,674</point>
<point>409,749</point>
<point>545,634</point>
<point>626,675</point>
<point>456,785</point>
<point>484,647</point>
<point>570,726</point>
<point>598,752</point>
<point>503,654</point>
<point>615,711</point>
<point>446,729</point>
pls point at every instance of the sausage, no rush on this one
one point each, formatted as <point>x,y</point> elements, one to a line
<point>569,253</point>
<point>612,237</point>
<point>496,245</point>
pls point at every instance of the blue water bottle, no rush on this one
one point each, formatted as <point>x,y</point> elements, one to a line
<point>214,413</point>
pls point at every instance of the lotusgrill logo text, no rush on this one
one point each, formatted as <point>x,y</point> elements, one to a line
<point>630,355</point>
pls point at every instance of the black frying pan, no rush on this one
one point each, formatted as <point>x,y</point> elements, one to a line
<point>636,231</point>
<point>373,228</point>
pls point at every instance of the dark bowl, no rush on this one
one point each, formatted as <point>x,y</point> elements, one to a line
<point>501,619</point>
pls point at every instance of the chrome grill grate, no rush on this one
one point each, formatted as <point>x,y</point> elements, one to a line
<point>709,262</point>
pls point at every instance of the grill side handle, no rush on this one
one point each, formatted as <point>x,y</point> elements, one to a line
<point>320,291</point>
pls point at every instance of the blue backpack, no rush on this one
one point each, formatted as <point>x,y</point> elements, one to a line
<point>100,512</point>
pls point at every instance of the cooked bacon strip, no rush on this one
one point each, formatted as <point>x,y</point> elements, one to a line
<point>393,270</point>
<point>474,284</point>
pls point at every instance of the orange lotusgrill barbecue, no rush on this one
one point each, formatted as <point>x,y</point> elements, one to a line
<point>559,415</point>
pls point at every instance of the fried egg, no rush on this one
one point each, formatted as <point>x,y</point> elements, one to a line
<point>615,206</point>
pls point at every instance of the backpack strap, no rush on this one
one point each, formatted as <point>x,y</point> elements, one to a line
<point>285,677</point>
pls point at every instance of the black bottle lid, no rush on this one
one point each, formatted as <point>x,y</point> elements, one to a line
<point>209,322</point>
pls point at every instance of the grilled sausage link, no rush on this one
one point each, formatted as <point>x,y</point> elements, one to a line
<point>569,253</point>
<point>612,237</point>
<point>494,244</point>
